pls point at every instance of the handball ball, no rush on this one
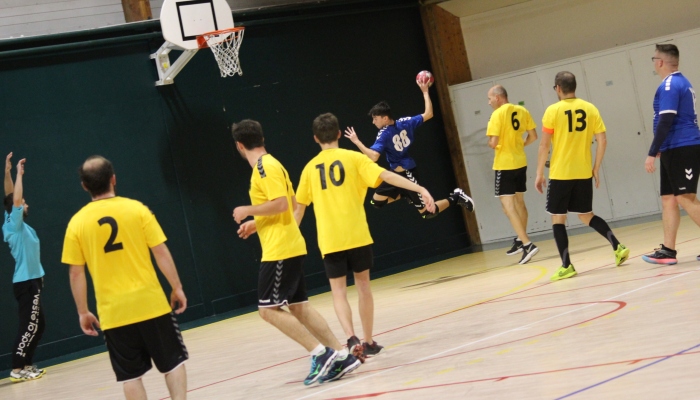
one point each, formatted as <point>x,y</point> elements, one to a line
<point>425,77</point>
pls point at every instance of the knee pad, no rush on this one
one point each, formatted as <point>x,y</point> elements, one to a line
<point>378,203</point>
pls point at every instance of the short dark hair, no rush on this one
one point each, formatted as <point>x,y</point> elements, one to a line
<point>670,50</point>
<point>96,176</point>
<point>566,81</point>
<point>249,133</point>
<point>326,128</point>
<point>8,202</point>
<point>380,109</point>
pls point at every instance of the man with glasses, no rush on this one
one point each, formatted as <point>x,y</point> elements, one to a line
<point>569,126</point>
<point>677,143</point>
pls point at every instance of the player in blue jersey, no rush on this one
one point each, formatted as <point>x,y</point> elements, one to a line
<point>677,142</point>
<point>395,138</point>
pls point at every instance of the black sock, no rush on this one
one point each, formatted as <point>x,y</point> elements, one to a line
<point>562,240</point>
<point>452,199</point>
<point>602,227</point>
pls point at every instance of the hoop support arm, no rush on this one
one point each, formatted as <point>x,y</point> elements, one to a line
<point>167,71</point>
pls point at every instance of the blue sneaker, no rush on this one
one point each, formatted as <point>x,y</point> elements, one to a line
<point>320,364</point>
<point>340,367</point>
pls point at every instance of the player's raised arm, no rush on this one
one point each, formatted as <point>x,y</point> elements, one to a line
<point>428,113</point>
<point>350,134</point>
<point>9,186</point>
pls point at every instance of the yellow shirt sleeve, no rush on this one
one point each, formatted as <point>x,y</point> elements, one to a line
<point>274,184</point>
<point>151,228</point>
<point>599,125</point>
<point>549,120</point>
<point>528,121</point>
<point>494,126</point>
<point>369,170</point>
<point>303,193</point>
<point>72,253</point>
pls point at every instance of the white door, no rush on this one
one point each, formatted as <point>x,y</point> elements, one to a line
<point>611,88</point>
<point>601,201</point>
<point>525,91</point>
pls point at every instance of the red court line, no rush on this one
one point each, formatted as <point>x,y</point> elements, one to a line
<point>502,378</point>
<point>620,305</point>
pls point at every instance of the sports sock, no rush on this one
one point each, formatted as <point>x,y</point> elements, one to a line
<point>602,227</point>
<point>562,240</point>
<point>343,353</point>
<point>452,199</point>
<point>526,244</point>
<point>318,350</point>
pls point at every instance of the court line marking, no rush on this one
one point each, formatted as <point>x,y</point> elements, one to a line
<point>356,380</point>
<point>627,373</point>
<point>502,378</point>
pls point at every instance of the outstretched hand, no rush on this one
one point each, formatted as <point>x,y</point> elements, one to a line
<point>8,163</point>
<point>350,134</point>
<point>20,166</point>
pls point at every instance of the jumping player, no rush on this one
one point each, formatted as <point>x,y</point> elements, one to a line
<point>505,132</point>
<point>336,182</point>
<point>281,277</point>
<point>569,126</point>
<point>395,137</point>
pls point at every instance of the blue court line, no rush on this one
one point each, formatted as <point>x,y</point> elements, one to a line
<point>626,373</point>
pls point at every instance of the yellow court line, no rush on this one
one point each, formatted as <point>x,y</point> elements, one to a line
<point>444,371</point>
<point>406,341</point>
<point>413,381</point>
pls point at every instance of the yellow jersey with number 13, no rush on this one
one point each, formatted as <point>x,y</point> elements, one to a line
<point>572,124</point>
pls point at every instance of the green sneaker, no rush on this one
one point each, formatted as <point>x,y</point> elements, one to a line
<point>563,273</point>
<point>621,254</point>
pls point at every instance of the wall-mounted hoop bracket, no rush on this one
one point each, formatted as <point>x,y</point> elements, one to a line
<point>166,70</point>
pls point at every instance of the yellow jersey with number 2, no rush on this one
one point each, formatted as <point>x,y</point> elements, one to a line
<point>572,124</point>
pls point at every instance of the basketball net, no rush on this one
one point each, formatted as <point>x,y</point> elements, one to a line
<point>225,45</point>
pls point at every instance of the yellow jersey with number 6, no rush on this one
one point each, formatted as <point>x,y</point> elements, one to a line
<point>509,122</point>
<point>336,182</point>
<point>114,236</point>
<point>572,124</point>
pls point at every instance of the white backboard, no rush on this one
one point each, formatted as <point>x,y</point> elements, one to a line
<point>182,20</point>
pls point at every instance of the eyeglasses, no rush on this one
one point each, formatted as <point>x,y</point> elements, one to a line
<point>655,58</point>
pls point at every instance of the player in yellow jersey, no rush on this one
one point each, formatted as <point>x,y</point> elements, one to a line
<point>569,126</point>
<point>336,182</point>
<point>505,131</point>
<point>281,276</point>
<point>113,236</point>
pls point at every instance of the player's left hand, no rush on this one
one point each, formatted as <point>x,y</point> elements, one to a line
<point>649,164</point>
<point>350,134</point>
<point>539,183</point>
<point>596,179</point>
<point>89,323</point>
<point>8,163</point>
<point>177,298</point>
<point>246,229</point>
<point>20,166</point>
<point>428,200</point>
<point>240,213</point>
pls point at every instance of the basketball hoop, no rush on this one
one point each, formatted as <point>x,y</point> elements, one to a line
<point>225,45</point>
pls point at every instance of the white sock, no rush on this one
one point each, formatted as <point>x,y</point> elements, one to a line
<point>526,244</point>
<point>318,350</point>
<point>343,353</point>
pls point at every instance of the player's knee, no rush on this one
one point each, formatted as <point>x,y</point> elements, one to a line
<point>379,203</point>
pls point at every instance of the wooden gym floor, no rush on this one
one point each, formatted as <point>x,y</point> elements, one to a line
<point>477,326</point>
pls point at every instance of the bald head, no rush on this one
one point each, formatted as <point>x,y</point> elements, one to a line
<point>497,96</point>
<point>96,175</point>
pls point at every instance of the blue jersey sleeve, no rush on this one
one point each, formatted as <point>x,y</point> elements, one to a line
<point>669,98</point>
<point>416,121</point>
<point>379,144</point>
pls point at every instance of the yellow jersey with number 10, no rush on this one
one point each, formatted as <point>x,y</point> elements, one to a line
<point>509,122</point>
<point>336,182</point>
<point>572,124</point>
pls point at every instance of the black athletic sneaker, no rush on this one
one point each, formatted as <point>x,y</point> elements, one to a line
<point>371,350</point>
<point>517,247</point>
<point>462,199</point>
<point>528,252</point>
<point>352,343</point>
<point>662,255</point>
<point>320,364</point>
<point>340,367</point>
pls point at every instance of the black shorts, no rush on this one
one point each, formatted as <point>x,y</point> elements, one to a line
<point>575,195</point>
<point>131,347</point>
<point>385,189</point>
<point>680,168</point>
<point>356,260</point>
<point>281,283</point>
<point>511,181</point>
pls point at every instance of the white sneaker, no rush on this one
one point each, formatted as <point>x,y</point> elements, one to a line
<point>28,373</point>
